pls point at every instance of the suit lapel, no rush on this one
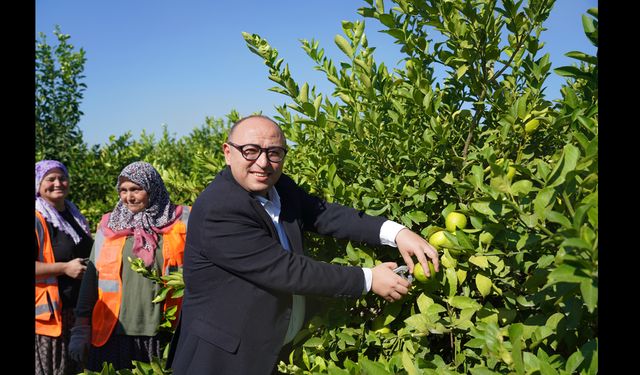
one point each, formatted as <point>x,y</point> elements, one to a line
<point>293,233</point>
<point>289,216</point>
<point>265,217</point>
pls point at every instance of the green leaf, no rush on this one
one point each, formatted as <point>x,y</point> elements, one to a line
<point>333,370</point>
<point>553,320</point>
<point>531,362</point>
<point>580,214</point>
<point>566,273</point>
<point>418,216</point>
<point>547,369</point>
<point>483,207</point>
<point>530,220</point>
<point>408,364</point>
<point>483,284</point>
<point>501,184</point>
<point>351,253</point>
<point>344,45</point>
<point>387,20</point>
<point>571,71</point>
<point>379,185</point>
<point>391,311</point>
<point>161,295</point>
<point>582,57</point>
<point>521,106</point>
<point>576,242</point>
<point>418,322</point>
<point>542,201</point>
<point>589,294</point>
<point>378,212</point>
<point>452,280</point>
<point>303,95</point>
<point>477,343</point>
<point>464,302</point>
<point>515,335</point>
<point>567,163</point>
<point>557,217</point>
<point>449,179</point>
<point>380,6</point>
<point>463,240</point>
<point>372,368</point>
<point>573,362</point>
<point>348,339</point>
<point>424,302</point>
<point>523,301</point>
<point>461,70</point>
<point>521,187</point>
<point>314,342</point>
<point>480,261</point>
<point>482,370</point>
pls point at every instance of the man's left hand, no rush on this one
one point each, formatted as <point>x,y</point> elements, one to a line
<point>409,243</point>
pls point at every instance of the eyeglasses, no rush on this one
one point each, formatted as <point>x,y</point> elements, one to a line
<point>252,152</point>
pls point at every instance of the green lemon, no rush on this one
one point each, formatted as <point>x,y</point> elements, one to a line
<point>418,272</point>
<point>486,238</point>
<point>455,220</point>
<point>531,125</point>
<point>438,240</point>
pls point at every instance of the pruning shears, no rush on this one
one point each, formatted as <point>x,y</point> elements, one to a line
<point>403,271</point>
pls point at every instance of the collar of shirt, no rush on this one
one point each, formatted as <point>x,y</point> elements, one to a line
<point>272,206</point>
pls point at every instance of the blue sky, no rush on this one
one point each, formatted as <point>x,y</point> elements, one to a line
<point>155,62</point>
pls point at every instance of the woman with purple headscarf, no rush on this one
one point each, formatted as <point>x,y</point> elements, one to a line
<point>63,241</point>
<point>117,322</point>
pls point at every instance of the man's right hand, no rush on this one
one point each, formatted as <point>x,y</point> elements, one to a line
<point>387,284</point>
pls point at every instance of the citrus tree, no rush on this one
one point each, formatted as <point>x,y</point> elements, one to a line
<point>59,89</point>
<point>518,289</point>
<point>459,143</point>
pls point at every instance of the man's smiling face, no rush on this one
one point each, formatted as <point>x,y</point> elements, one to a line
<point>257,176</point>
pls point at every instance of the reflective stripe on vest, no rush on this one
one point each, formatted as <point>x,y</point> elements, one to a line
<point>108,265</point>
<point>173,254</point>
<point>48,309</point>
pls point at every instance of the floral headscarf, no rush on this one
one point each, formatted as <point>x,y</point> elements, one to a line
<point>146,224</point>
<point>49,212</point>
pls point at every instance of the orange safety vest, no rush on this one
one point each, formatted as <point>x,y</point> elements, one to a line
<point>48,303</point>
<point>108,265</point>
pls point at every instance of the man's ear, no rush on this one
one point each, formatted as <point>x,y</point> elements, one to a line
<point>227,153</point>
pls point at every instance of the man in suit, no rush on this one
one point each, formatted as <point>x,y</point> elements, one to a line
<point>245,271</point>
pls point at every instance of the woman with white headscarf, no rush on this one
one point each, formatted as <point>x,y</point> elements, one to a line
<point>63,241</point>
<point>117,322</point>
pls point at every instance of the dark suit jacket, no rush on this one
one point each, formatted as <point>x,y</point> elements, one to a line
<point>239,281</point>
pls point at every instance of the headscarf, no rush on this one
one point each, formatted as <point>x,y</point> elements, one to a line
<point>146,224</point>
<point>49,212</point>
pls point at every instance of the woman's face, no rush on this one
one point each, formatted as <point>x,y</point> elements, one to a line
<point>133,196</point>
<point>54,187</point>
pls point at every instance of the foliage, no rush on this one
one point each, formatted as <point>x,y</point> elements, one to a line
<point>59,90</point>
<point>185,164</point>
<point>155,367</point>
<point>518,290</point>
<point>171,286</point>
<point>463,125</point>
